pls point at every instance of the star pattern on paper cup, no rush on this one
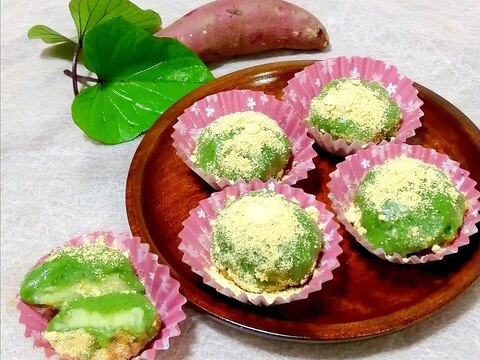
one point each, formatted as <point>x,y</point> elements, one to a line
<point>302,77</point>
<point>194,108</point>
<point>181,128</point>
<point>391,89</point>
<point>406,149</point>
<point>365,163</point>
<point>376,77</point>
<point>251,103</point>
<point>347,179</point>
<point>201,214</point>
<point>328,236</point>
<point>163,310</point>
<point>304,102</point>
<point>165,286</point>
<point>459,182</point>
<point>328,66</point>
<point>189,249</point>
<point>293,95</point>
<point>448,166</point>
<point>412,106</point>
<point>194,132</point>
<point>354,73</point>
<point>209,111</point>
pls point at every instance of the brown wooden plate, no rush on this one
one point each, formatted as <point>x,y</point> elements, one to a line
<point>367,296</point>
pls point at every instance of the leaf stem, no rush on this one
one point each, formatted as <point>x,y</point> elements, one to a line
<point>80,78</point>
<point>74,68</point>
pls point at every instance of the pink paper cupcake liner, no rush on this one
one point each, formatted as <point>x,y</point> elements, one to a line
<point>203,112</point>
<point>309,82</point>
<point>160,288</point>
<point>345,179</point>
<point>195,242</point>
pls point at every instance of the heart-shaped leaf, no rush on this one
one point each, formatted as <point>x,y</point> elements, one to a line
<point>47,34</point>
<point>140,77</point>
<point>88,13</point>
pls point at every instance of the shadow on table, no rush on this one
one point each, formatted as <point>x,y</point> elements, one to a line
<point>181,346</point>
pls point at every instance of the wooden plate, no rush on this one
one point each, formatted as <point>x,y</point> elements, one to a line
<point>367,296</point>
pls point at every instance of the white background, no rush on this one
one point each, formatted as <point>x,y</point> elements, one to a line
<point>57,184</point>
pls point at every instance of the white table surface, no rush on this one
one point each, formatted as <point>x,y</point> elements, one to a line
<point>57,184</point>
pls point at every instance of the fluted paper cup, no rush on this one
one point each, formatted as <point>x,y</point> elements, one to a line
<point>196,240</point>
<point>345,180</point>
<point>160,288</point>
<point>309,82</point>
<point>205,111</point>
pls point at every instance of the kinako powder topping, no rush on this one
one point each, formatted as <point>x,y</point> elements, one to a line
<point>405,205</point>
<point>76,343</point>
<point>264,242</point>
<point>355,110</point>
<point>404,181</point>
<point>88,270</point>
<point>243,145</point>
<point>91,253</point>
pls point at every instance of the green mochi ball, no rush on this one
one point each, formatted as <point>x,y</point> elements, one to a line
<point>355,110</point>
<point>405,206</point>
<point>243,145</point>
<point>265,243</point>
<point>87,270</point>
<point>120,323</point>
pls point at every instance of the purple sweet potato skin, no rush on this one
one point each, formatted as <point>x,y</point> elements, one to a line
<point>227,28</point>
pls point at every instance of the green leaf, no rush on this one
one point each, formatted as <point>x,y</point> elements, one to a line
<point>47,34</point>
<point>88,13</point>
<point>141,77</point>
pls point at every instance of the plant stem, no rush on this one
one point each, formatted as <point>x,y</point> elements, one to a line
<point>80,78</point>
<point>74,68</point>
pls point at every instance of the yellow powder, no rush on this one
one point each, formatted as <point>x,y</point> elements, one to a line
<point>275,216</point>
<point>313,213</point>
<point>224,281</point>
<point>91,252</point>
<point>404,180</point>
<point>352,100</point>
<point>253,132</point>
<point>122,347</point>
<point>79,344</point>
<point>75,344</point>
<point>354,216</point>
<point>243,218</point>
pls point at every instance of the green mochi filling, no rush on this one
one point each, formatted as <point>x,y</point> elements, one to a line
<point>343,127</point>
<point>104,317</point>
<point>406,230</point>
<point>89,270</point>
<point>266,159</point>
<point>255,270</point>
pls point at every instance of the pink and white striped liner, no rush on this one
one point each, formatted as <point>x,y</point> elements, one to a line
<point>160,288</point>
<point>345,179</point>
<point>309,82</point>
<point>203,112</point>
<point>196,232</point>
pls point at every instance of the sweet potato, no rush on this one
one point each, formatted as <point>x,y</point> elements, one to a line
<point>226,28</point>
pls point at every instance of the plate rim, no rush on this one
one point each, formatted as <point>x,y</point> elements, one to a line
<point>134,208</point>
